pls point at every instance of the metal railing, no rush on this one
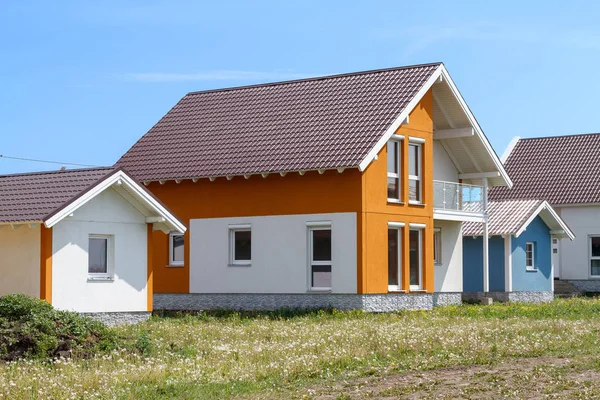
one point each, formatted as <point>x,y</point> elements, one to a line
<point>457,197</point>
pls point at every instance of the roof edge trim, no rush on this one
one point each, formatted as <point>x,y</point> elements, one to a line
<point>545,206</point>
<point>509,149</point>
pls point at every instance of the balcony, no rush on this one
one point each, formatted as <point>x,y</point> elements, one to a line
<point>453,198</point>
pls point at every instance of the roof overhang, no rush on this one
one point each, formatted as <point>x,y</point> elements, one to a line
<point>155,212</point>
<point>471,138</point>
<point>557,226</point>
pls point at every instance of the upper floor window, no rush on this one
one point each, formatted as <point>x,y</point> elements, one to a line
<point>394,151</point>
<point>176,241</point>
<point>415,173</point>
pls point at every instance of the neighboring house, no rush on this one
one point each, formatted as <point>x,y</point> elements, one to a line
<point>564,170</point>
<point>79,239</point>
<point>346,191</point>
<point>521,236</point>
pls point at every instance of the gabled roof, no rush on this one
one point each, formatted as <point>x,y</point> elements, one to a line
<point>48,197</point>
<point>560,169</point>
<point>331,122</point>
<point>511,217</point>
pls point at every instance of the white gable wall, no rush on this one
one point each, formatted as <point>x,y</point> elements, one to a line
<point>443,167</point>
<point>20,260</point>
<point>106,214</point>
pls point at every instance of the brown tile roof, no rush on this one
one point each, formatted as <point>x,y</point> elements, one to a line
<point>504,217</point>
<point>35,196</point>
<point>560,170</point>
<point>320,123</point>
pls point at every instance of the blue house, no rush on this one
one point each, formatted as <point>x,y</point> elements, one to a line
<point>522,234</point>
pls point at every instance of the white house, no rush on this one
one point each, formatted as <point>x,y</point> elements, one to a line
<point>79,240</point>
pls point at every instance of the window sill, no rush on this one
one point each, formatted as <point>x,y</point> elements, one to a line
<point>529,269</point>
<point>417,203</point>
<point>394,201</point>
<point>319,290</point>
<point>438,264</point>
<point>240,265</point>
<point>100,278</point>
<point>392,291</point>
<point>418,291</point>
<point>175,265</point>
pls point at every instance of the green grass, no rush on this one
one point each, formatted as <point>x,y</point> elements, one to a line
<point>223,355</point>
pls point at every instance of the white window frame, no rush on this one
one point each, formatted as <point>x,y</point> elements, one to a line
<point>592,257</point>
<point>399,228</point>
<point>173,263</point>
<point>528,266</point>
<point>110,259</point>
<point>232,231</point>
<point>437,246</point>
<point>417,228</point>
<point>418,143</point>
<point>310,228</point>
<point>397,141</point>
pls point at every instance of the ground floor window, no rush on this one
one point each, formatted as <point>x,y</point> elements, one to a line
<point>240,245</point>
<point>394,258</point>
<point>530,255</point>
<point>176,241</point>
<point>320,257</point>
<point>416,258</point>
<point>437,246</point>
<point>595,255</point>
<point>99,256</point>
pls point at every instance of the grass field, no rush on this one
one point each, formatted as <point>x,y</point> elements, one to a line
<point>508,351</point>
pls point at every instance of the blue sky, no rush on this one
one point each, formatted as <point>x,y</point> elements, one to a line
<point>82,81</point>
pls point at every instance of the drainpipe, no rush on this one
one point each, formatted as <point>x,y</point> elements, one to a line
<point>486,253</point>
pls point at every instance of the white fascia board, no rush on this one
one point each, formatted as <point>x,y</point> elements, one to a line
<point>479,175</point>
<point>509,149</point>
<point>452,215</point>
<point>401,118</point>
<point>476,126</point>
<point>134,188</point>
<point>454,133</point>
<point>555,217</point>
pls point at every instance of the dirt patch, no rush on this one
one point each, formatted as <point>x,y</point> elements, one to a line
<point>532,378</point>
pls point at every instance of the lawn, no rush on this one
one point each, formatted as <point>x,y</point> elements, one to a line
<point>514,351</point>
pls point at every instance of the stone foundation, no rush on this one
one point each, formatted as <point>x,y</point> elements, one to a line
<point>441,299</point>
<point>271,302</point>
<point>512,297</point>
<point>119,318</point>
<point>591,285</point>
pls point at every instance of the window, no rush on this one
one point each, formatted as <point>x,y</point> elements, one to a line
<point>240,245</point>
<point>394,151</point>
<point>530,255</point>
<point>595,256</point>
<point>100,256</point>
<point>437,246</point>
<point>320,257</point>
<point>394,258</point>
<point>415,246</point>
<point>414,173</point>
<point>176,249</point>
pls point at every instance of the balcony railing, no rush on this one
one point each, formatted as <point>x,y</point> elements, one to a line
<point>456,196</point>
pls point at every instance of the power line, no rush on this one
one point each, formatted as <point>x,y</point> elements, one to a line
<point>46,161</point>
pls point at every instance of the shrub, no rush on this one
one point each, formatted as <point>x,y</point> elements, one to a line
<point>32,328</point>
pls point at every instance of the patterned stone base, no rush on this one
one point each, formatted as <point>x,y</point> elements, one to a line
<point>512,297</point>
<point>588,285</point>
<point>270,302</point>
<point>119,318</point>
<point>447,299</point>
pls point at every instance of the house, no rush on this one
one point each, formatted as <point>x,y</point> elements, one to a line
<point>346,191</point>
<point>564,171</point>
<point>521,233</point>
<point>79,240</point>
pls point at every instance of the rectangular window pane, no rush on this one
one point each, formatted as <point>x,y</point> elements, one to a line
<point>177,248</point>
<point>392,154</point>
<point>437,247</point>
<point>596,267</point>
<point>393,191</point>
<point>595,246</point>
<point>393,263</point>
<point>415,257</point>
<point>243,246</point>
<point>413,160</point>
<point>97,256</point>
<point>321,245</point>
<point>321,276</point>
<point>414,190</point>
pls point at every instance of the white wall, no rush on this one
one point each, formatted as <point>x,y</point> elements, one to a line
<point>443,167</point>
<point>448,277</point>
<point>574,255</point>
<point>110,214</point>
<point>279,254</point>
<point>20,260</point>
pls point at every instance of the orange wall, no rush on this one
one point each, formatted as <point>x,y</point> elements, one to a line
<point>275,195</point>
<point>46,264</point>
<point>377,212</point>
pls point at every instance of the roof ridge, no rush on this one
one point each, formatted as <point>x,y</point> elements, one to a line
<point>561,136</point>
<point>316,78</point>
<point>58,171</point>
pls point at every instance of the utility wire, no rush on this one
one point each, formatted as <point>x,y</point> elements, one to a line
<point>46,161</point>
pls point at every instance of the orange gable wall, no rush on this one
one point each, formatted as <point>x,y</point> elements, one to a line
<point>377,212</point>
<point>275,195</point>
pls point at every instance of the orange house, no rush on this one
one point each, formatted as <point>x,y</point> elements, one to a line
<point>346,191</point>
